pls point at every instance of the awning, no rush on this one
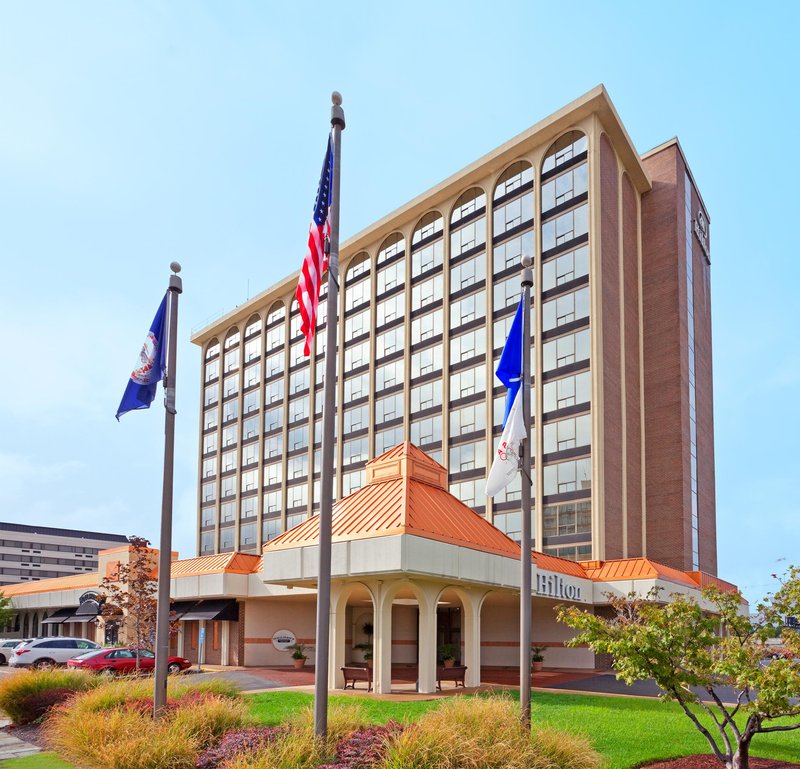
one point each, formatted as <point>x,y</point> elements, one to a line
<point>179,608</point>
<point>59,616</point>
<point>227,609</point>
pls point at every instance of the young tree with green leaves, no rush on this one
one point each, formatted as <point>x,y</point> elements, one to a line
<point>686,648</point>
<point>6,611</point>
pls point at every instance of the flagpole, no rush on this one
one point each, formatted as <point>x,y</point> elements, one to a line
<point>321,660</point>
<point>165,545</point>
<point>525,478</point>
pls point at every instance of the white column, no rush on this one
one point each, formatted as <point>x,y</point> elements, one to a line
<point>179,640</point>
<point>382,648</point>
<point>471,633</point>
<point>225,643</point>
<point>201,647</point>
<point>427,639</point>
<point>338,634</point>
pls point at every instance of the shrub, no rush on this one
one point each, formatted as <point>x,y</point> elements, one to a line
<point>28,696</point>
<point>484,733</point>
<point>111,727</point>
<point>238,742</point>
<point>364,748</point>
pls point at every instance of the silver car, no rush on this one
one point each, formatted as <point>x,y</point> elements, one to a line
<point>7,646</point>
<point>45,653</point>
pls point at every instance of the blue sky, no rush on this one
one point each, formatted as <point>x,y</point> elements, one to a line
<point>132,134</point>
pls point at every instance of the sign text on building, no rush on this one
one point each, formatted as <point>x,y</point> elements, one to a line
<point>553,586</point>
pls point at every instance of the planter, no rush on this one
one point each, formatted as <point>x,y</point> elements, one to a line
<point>448,663</point>
<point>536,667</point>
<point>299,663</point>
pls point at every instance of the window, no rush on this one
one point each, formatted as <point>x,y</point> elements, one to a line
<point>562,269</point>
<point>299,380</point>
<point>208,491</point>
<point>249,454</point>
<point>252,375</point>
<point>568,434</point>
<point>227,512</point>
<point>277,312</point>
<point>352,482</point>
<point>387,375</point>
<point>468,309</point>
<point>387,408</point>
<point>391,276</point>
<point>391,309</point>
<point>565,309</point>
<point>273,391</point>
<point>231,360</point>
<point>272,502</point>
<point>207,542</point>
<point>295,321</point>
<point>469,419</point>
<point>512,492</point>
<point>429,226</point>
<point>273,473</point>
<point>390,342</point>
<point>210,418</point>
<point>387,439</point>
<point>297,467</point>
<point>228,487</point>
<point>468,203</point>
<point>250,428</point>
<point>426,361</point>
<point>359,265</point>
<point>515,176</point>
<point>249,480</point>
<point>566,349</point>
<point>252,349</point>
<point>212,349</point>
<point>563,477</point>
<point>426,259</point>
<point>296,519</point>
<point>230,410</point>
<point>467,346</point>
<point>426,326</point>
<point>356,418</point>
<point>226,538</point>
<point>232,339</point>
<point>392,246</point>
<point>426,430</point>
<point>507,292</point>
<point>252,401</point>
<point>355,450</point>
<point>467,456</point>
<point>211,395</point>
<point>357,325</point>
<point>472,235</point>
<point>357,294</point>
<point>273,446</point>
<point>513,214</point>
<point>427,292</point>
<point>297,438</point>
<point>472,493</point>
<point>567,518</point>
<point>356,387</point>
<point>569,391</point>
<point>253,326</point>
<point>270,529</point>
<point>468,382</point>
<point>563,188</point>
<point>229,461</point>
<point>468,273</point>
<point>212,370</point>
<point>230,435</point>
<point>230,385</point>
<point>298,409</point>
<point>509,254</point>
<point>209,443</point>
<point>426,396</point>
<point>276,337</point>
<point>563,150</point>
<point>297,354</point>
<point>273,419</point>
<point>297,496</point>
<point>565,227</point>
<point>247,538</point>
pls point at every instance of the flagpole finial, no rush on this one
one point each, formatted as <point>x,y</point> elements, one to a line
<point>175,267</point>
<point>527,260</point>
<point>337,113</point>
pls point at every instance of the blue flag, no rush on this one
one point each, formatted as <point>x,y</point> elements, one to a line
<point>150,368</point>
<point>509,369</point>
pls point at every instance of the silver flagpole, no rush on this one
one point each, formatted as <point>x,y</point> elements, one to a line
<point>165,546</point>
<point>329,404</point>
<point>525,478</point>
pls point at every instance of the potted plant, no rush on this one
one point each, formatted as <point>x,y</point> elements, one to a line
<point>537,658</point>
<point>299,654</point>
<point>366,648</point>
<point>447,654</point>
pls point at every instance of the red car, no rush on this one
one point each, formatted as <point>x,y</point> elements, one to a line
<point>123,661</point>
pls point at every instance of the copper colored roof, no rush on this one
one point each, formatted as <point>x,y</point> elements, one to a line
<point>634,568</point>
<point>229,563</point>
<point>406,493</point>
<point>91,580</point>
<point>709,580</point>
<point>560,565</point>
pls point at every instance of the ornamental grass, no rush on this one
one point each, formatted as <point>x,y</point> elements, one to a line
<point>29,695</point>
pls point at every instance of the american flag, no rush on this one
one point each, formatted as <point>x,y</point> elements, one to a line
<point>316,261</point>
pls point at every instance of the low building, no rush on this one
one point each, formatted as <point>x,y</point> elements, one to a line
<point>32,553</point>
<point>413,568</point>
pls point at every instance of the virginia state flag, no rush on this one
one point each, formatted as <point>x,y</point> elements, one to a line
<point>150,368</point>
<point>509,372</point>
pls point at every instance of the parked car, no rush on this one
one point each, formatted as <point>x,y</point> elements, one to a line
<point>124,661</point>
<point>7,645</point>
<point>43,653</point>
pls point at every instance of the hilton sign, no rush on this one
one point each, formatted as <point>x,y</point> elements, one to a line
<point>552,586</point>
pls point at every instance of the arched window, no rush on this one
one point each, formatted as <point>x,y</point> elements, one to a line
<point>468,203</point>
<point>253,326</point>
<point>427,245</point>
<point>468,223</point>
<point>565,184</point>
<point>232,338</point>
<point>357,283</point>
<point>393,245</point>
<point>276,313</point>
<point>212,349</point>
<point>565,148</point>
<point>517,176</point>
<point>512,215</point>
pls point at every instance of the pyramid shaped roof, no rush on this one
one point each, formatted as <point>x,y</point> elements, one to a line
<point>405,493</point>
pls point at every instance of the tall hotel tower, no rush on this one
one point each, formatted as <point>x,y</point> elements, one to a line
<point>622,395</point>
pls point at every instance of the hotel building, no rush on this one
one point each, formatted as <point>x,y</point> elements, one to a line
<point>621,356</point>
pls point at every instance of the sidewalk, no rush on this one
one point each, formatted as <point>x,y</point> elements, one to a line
<point>11,747</point>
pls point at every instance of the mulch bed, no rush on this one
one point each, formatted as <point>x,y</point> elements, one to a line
<point>710,762</point>
<point>29,733</point>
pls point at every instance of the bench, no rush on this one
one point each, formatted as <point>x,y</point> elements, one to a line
<point>353,674</point>
<point>455,674</point>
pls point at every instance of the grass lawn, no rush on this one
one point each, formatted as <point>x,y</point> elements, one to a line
<point>37,761</point>
<point>627,731</point>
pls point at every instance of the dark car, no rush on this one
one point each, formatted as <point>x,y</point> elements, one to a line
<point>123,661</point>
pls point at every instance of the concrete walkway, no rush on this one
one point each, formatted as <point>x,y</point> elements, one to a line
<point>11,747</point>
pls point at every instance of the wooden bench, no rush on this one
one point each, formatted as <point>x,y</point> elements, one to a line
<point>455,673</point>
<point>353,674</point>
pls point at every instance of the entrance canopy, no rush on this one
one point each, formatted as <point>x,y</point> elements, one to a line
<point>59,616</point>
<point>212,610</point>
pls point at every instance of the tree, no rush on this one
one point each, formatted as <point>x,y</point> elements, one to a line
<point>130,595</point>
<point>6,611</point>
<point>680,646</point>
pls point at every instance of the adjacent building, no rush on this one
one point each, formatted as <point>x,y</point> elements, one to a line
<point>621,362</point>
<point>32,553</point>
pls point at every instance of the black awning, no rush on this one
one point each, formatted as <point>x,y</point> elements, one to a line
<point>226,609</point>
<point>179,608</point>
<point>89,609</point>
<point>59,616</point>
